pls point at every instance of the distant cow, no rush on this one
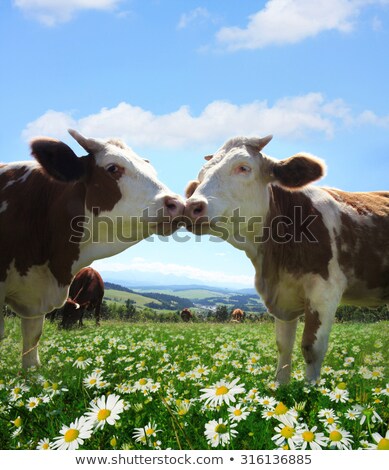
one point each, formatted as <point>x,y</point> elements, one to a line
<point>311,247</point>
<point>86,293</point>
<point>60,212</point>
<point>237,315</point>
<point>186,315</point>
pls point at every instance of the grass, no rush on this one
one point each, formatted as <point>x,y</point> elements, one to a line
<point>159,371</point>
<point>122,296</point>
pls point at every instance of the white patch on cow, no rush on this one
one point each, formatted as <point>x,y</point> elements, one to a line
<point>28,166</point>
<point>3,206</point>
<point>34,294</point>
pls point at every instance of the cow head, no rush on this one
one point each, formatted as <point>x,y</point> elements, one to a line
<point>234,182</point>
<point>117,184</point>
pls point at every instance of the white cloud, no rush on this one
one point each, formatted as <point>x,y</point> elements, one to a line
<point>292,117</point>
<point>291,21</point>
<point>52,12</point>
<point>289,117</point>
<point>194,16</point>
<point>169,269</point>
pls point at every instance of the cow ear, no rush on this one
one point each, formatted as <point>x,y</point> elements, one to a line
<point>191,188</point>
<point>58,159</point>
<point>298,171</point>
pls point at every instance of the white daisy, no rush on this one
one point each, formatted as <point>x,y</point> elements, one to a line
<point>105,410</point>
<point>339,438</point>
<point>218,432</point>
<point>44,444</point>
<point>381,443</point>
<point>222,392</point>
<point>286,435</point>
<point>238,413</point>
<point>143,435</point>
<point>311,439</point>
<point>73,436</point>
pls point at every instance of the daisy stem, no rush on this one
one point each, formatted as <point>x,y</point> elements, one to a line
<point>175,419</point>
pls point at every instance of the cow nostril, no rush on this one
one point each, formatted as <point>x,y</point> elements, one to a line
<point>198,210</point>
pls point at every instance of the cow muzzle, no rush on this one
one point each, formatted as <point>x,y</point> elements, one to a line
<point>196,215</point>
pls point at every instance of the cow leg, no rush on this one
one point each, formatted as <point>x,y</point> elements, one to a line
<point>97,313</point>
<point>2,297</point>
<point>285,337</point>
<point>31,333</point>
<point>314,344</point>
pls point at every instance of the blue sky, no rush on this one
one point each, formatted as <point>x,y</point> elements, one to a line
<point>176,78</point>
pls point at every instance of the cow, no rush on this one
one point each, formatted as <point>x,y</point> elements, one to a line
<point>60,212</point>
<point>86,292</point>
<point>237,315</point>
<point>186,315</point>
<point>312,247</point>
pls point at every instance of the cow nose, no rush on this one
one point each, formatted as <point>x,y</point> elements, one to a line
<point>196,209</point>
<point>173,206</point>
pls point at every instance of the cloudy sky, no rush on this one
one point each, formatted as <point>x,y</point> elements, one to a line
<point>176,78</point>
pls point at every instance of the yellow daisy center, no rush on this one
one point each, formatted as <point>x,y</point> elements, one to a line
<point>330,420</point>
<point>92,381</point>
<point>383,444</point>
<point>17,390</point>
<point>142,382</point>
<point>237,412</point>
<point>221,429</point>
<point>32,404</point>
<point>342,386</point>
<point>221,390</point>
<point>280,409</point>
<point>335,436</point>
<point>150,431</point>
<point>45,446</point>
<point>103,414</point>
<point>54,387</point>
<point>287,432</point>
<point>308,436</point>
<point>18,422</point>
<point>71,435</point>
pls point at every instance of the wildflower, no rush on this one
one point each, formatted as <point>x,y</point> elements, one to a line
<point>339,438</point>
<point>267,402</point>
<point>73,436</point>
<point>92,380</point>
<point>311,439</point>
<point>142,384</point>
<point>327,416</point>
<point>33,402</point>
<point>222,392</point>
<point>285,415</point>
<point>238,413</point>
<point>339,395</point>
<point>286,435</point>
<point>82,363</point>
<point>353,414</point>
<point>44,444</point>
<point>381,443</point>
<point>105,410</point>
<point>143,435</point>
<point>218,432</point>
<point>182,407</point>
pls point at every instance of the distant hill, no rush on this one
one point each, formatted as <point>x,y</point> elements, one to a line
<point>176,297</point>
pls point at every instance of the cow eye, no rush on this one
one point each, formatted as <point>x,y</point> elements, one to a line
<point>111,168</point>
<point>242,169</point>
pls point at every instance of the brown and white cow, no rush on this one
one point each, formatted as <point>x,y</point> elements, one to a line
<point>237,315</point>
<point>61,212</point>
<point>312,248</point>
<point>86,292</point>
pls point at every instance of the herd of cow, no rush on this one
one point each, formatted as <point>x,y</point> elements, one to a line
<point>312,247</point>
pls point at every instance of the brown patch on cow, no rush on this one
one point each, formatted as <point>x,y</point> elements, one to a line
<point>186,315</point>
<point>298,171</point>
<point>311,326</point>
<point>289,247</point>
<point>363,244</point>
<point>36,227</point>
<point>191,188</point>
<point>103,191</point>
<point>376,203</point>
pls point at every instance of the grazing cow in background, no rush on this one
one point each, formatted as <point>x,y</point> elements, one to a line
<point>86,292</point>
<point>311,247</point>
<point>186,315</point>
<point>60,212</point>
<point>237,315</point>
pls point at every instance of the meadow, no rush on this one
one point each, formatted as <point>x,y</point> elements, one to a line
<point>191,386</point>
